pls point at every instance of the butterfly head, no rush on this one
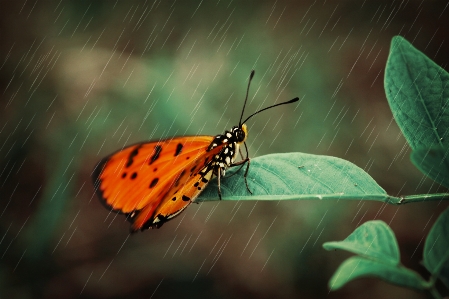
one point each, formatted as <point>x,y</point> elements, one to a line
<point>240,133</point>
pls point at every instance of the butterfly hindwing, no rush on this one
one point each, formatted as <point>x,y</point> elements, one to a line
<point>176,200</point>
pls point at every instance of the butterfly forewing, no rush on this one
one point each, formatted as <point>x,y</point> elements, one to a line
<point>143,178</point>
<point>129,179</point>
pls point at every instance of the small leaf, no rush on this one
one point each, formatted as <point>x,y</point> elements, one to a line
<point>433,162</point>
<point>418,93</point>
<point>356,267</point>
<point>296,176</point>
<point>436,248</point>
<point>373,239</point>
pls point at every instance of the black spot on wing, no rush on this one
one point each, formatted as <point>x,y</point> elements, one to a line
<point>179,177</point>
<point>131,156</point>
<point>157,152</point>
<point>154,182</point>
<point>185,198</point>
<point>124,175</point>
<point>133,175</point>
<point>178,149</point>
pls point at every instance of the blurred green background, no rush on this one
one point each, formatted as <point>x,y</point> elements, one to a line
<point>81,79</point>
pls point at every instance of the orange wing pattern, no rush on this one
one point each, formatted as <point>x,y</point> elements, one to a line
<point>153,182</point>
<point>176,199</point>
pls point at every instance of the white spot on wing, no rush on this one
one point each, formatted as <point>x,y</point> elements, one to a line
<point>176,213</point>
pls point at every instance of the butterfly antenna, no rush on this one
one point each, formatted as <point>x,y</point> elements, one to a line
<point>246,98</point>
<point>272,106</point>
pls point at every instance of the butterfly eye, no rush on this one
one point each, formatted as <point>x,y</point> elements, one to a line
<point>241,136</point>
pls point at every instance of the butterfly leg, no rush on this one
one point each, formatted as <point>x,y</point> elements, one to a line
<point>246,176</point>
<point>247,167</point>
<point>242,162</point>
<point>219,179</point>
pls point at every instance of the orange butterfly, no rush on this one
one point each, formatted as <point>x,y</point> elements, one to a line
<point>152,182</point>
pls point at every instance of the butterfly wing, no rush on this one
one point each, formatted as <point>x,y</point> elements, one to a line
<point>187,186</point>
<point>136,180</point>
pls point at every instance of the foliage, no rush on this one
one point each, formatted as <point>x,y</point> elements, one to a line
<point>378,252</point>
<point>418,93</point>
<point>436,253</point>
<point>276,177</point>
<point>297,176</point>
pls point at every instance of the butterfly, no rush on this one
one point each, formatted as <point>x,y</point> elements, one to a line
<point>152,182</point>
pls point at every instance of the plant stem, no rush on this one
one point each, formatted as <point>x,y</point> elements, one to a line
<point>423,197</point>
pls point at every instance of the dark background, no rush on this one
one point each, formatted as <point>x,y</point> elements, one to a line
<point>81,79</point>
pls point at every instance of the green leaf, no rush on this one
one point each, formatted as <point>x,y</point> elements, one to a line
<point>436,248</point>
<point>377,245</point>
<point>433,163</point>
<point>418,93</point>
<point>296,176</point>
<point>373,239</point>
<point>356,267</point>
